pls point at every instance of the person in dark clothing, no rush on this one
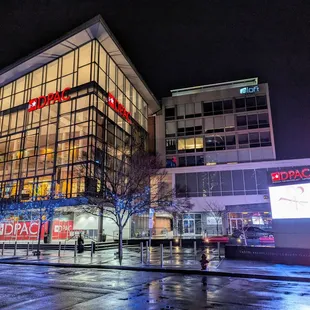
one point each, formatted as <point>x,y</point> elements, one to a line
<point>80,244</point>
<point>204,262</point>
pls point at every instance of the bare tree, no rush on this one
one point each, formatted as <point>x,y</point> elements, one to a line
<point>217,212</point>
<point>128,185</point>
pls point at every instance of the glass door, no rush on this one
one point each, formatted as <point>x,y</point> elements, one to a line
<point>189,226</point>
<point>235,224</point>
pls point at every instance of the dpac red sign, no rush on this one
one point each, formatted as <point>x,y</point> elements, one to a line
<point>42,101</point>
<point>118,108</point>
<point>295,174</point>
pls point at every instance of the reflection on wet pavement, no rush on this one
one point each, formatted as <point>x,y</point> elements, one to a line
<point>37,287</point>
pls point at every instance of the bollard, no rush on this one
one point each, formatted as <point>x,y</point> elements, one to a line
<point>91,249</point>
<point>171,249</point>
<point>3,248</point>
<point>161,255</point>
<point>59,249</point>
<point>75,248</point>
<point>180,242</point>
<point>27,253</point>
<point>141,251</point>
<point>195,249</point>
<point>219,250</point>
<point>15,248</point>
<point>147,251</point>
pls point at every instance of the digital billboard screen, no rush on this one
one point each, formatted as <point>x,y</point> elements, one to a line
<point>290,201</point>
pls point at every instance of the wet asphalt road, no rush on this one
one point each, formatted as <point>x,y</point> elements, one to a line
<point>35,287</point>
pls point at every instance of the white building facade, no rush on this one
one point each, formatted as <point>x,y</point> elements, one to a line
<point>218,144</point>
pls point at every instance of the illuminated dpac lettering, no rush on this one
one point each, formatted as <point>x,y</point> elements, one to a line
<point>42,101</point>
<point>118,108</point>
<point>290,175</point>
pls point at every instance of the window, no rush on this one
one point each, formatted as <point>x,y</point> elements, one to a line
<point>226,182</point>
<point>218,107</point>
<point>180,111</point>
<point>219,124</point>
<point>240,105</point>
<point>169,113</point>
<point>210,143</point>
<point>191,182</point>
<point>250,182</point>
<point>170,146</point>
<point>180,180</point>
<point>209,126</point>
<point>191,161</point>
<point>250,104</point>
<point>230,142</point>
<point>198,126</point>
<point>263,120</point>
<point>229,123</point>
<point>261,180</point>
<point>190,145</point>
<point>238,184</point>
<point>199,144</point>
<point>197,109</point>
<point>241,122</point>
<point>181,128</point>
<point>243,140</point>
<point>189,109</point>
<point>261,102</point>
<point>214,182</point>
<point>182,161</point>
<point>203,184</point>
<point>265,139</point>
<point>252,121</point>
<point>170,129</point>
<point>190,127</point>
<point>254,139</point>
<point>228,106</point>
<point>207,108</point>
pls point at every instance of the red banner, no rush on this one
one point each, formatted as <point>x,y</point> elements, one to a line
<point>61,229</point>
<point>28,230</point>
<point>21,230</point>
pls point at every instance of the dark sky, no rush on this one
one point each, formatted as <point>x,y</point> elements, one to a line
<point>176,44</point>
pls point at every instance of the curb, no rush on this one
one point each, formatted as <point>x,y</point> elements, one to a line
<point>161,270</point>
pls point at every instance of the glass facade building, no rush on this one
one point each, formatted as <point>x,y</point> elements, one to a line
<point>77,104</point>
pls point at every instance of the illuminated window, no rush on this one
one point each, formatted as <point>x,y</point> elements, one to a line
<point>84,75</point>
<point>52,71</point>
<point>67,63</point>
<point>85,54</point>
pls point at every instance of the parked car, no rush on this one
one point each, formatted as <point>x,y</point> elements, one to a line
<point>254,236</point>
<point>215,239</point>
<point>251,233</point>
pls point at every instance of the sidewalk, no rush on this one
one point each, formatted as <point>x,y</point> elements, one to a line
<point>183,261</point>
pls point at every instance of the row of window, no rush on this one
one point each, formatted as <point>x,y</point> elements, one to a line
<point>218,142</point>
<point>222,183</point>
<point>87,63</point>
<point>215,124</point>
<point>221,157</point>
<point>191,110</point>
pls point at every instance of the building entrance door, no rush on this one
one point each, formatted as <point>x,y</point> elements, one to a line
<point>189,227</point>
<point>235,224</point>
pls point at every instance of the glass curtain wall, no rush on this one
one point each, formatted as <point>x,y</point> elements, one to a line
<point>45,149</point>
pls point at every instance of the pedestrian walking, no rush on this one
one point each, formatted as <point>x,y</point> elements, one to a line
<point>80,244</point>
<point>204,262</point>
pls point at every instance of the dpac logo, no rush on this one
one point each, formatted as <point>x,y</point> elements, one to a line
<point>249,90</point>
<point>118,108</point>
<point>290,175</point>
<point>42,101</point>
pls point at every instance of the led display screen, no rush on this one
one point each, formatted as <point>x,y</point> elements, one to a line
<point>290,201</point>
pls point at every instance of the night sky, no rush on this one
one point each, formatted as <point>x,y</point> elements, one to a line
<point>176,44</point>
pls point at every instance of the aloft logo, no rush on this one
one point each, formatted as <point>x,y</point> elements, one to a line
<point>249,90</point>
<point>291,175</point>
